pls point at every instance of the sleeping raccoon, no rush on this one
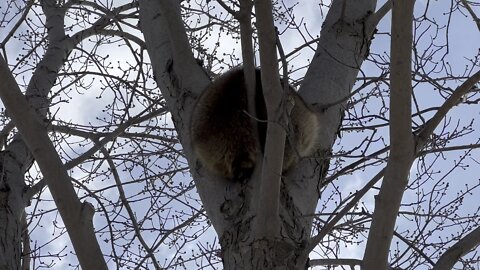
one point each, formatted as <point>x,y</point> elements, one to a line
<point>222,132</point>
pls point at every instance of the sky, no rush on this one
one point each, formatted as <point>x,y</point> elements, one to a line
<point>463,38</point>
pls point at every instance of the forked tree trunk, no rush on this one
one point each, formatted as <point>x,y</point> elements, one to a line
<point>343,46</point>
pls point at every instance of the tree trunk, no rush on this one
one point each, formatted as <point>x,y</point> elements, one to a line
<point>12,206</point>
<point>240,248</point>
<point>402,146</point>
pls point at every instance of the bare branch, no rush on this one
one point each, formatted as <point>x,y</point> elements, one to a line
<point>182,52</point>
<point>227,8</point>
<point>268,222</point>
<point>387,203</point>
<point>314,241</point>
<point>73,212</point>
<point>248,56</point>
<point>453,100</point>
<point>98,145</point>
<point>472,13</point>
<point>377,16</point>
<point>17,25</point>
<point>462,247</point>
<point>336,262</point>
<point>126,204</point>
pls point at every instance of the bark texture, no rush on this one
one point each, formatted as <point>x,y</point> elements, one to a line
<point>12,206</point>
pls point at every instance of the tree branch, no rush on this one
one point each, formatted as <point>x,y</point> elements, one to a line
<point>25,13</point>
<point>180,46</point>
<point>248,55</point>
<point>268,221</point>
<point>462,247</point>
<point>387,203</point>
<point>227,8</point>
<point>77,216</point>
<point>472,13</point>
<point>335,262</point>
<point>377,16</point>
<point>453,100</point>
<point>107,137</point>
<point>314,241</point>
<point>126,204</point>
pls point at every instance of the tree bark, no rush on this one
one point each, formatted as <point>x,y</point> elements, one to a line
<point>12,206</point>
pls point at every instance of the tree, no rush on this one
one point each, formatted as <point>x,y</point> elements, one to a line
<point>103,124</point>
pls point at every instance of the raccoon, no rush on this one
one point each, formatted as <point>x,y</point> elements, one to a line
<point>223,135</point>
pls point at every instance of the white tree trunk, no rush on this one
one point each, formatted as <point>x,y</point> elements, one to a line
<point>231,206</point>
